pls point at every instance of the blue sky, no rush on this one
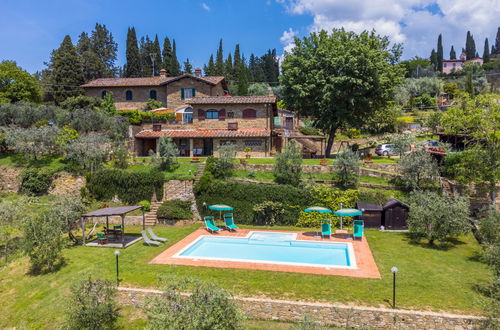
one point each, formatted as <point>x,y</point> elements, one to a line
<point>29,30</point>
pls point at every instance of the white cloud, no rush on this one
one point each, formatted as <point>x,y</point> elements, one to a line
<point>407,21</point>
<point>205,6</point>
<point>288,36</point>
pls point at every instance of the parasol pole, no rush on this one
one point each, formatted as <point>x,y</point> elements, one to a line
<point>341,217</point>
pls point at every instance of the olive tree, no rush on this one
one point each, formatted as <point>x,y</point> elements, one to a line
<point>418,170</point>
<point>402,142</point>
<point>207,307</point>
<point>437,217</point>
<point>92,305</point>
<point>346,169</point>
<point>33,142</point>
<point>288,166</point>
<point>168,152</point>
<point>89,151</point>
<point>224,164</point>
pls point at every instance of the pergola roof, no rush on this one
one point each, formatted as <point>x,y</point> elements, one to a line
<point>109,211</point>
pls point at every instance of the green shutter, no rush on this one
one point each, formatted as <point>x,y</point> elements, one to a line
<point>182,93</point>
<point>194,91</point>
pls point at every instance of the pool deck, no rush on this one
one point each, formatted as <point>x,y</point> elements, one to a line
<point>366,267</point>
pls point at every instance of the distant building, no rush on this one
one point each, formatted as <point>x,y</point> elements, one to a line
<point>450,66</point>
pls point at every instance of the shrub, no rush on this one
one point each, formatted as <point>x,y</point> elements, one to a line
<point>36,181</point>
<point>244,196</point>
<point>120,156</point>
<point>152,104</point>
<point>204,183</point>
<point>309,130</point>
<point>353,133</point>
<point>329,198</point>
<point>489,228</point>
<point>146,205</point>
<point>288,167</point>
<point>43,243</point>
<point>346,169</point>
<point>133,116</point>
<point>208,307</point>
<point>175,209</point>
<point>436,217</point>
<point>130,187</point>
<point>92,305</point>
<point>268,213</point>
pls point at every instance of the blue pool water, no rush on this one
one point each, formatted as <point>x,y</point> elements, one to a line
<point>268,247</point>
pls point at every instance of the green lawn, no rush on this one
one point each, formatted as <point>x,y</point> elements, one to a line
<point>52,163</point>
<point>181,172</point>
<point>269,176</point>
<point>428,278</point>
<point>306,161</point>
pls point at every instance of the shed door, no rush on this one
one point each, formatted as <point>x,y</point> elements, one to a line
<point>399,218</point>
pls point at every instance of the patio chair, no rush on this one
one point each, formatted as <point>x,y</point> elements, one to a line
<point>154,237</point>
<point>358,229</point>
<point>326,229</point>
<point>148,240</point>
<point>209,224</point>
<point>101,238</point>
<point>229,222</point>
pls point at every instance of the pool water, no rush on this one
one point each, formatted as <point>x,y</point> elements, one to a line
<point>271,247</point>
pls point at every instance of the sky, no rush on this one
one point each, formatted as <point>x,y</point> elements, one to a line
<point>30,30</point>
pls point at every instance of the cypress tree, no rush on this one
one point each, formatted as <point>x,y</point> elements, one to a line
<point>228,67</point>
<point>188,68</point>
<point>105,47</point>
<point>65,71</point>
<point>486,51</point>
<point>433,59</point>
<point>236,60</point>
<point>167,56</point>
<point>145,49</point>
<point>210,69</point>
<point>497,43</point>
<point>219,61</point>
<point>156,51</point>
<point>176,68</point>
<point>470,46</point>
<point>133,65</point>
<point>439,54</point>
<point>88,58</point>
<point>242,78</point>
<point>252,68</point>
<point>453,54</point>
<point>270,66</point>
<point>493,50</point>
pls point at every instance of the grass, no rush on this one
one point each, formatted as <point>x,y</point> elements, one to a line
<point>180,172</point>
<point>269,176</point>
<point>51,163</point>
<point>438,279</point>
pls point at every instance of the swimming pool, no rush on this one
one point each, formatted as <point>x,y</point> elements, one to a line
<point>271,248</point>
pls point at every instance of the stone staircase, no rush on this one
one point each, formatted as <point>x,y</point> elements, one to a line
<point>176,189</point>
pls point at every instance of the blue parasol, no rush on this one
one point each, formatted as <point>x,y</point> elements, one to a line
<point>346,213</point>
<point>221,207</point>
<point>319,209</point>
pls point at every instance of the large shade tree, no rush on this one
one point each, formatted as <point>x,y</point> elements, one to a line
<point>340,78</point>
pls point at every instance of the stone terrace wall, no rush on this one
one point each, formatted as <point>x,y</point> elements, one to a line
<point>332,314</point>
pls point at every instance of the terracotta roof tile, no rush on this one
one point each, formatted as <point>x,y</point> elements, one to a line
<point>232,99</point>
<point>148,81</point>
<point>202,133</point>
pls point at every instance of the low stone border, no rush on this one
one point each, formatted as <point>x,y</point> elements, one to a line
<point>333,314</point>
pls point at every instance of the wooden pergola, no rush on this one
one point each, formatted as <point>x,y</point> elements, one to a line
<point>112,211</point>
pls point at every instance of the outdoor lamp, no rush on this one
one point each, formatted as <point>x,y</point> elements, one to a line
<point>117,253</point>
<point>394,270</point>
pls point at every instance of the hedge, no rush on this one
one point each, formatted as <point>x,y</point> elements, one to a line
<point>36,182</point>
<point>244,196</point>
<point>175,209</point>
<point>130,187</point>
<point>136,117</point>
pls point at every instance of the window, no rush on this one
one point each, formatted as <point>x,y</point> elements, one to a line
<point>128,95</point>
<point>253,143</point>
<point>454,64</point>
<point>230,114</point>
<point>103,94</point>
<point>444,65</point>
<point>249,114</point>
<point>212,114</point>
<point>152,94</point>
<point>188,93</point>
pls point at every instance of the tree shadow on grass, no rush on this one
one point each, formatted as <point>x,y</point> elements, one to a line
<point>44,270</point>
<point>447,245</point>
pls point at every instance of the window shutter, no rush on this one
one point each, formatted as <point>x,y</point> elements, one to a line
<point>193,92</point>
<point>249,114</point>
<point>222,114</point>
<point>201,114</point>
<point>182,93</point>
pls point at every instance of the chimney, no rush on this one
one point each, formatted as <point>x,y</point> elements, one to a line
<point>163,73</point>
<point>197,72</point>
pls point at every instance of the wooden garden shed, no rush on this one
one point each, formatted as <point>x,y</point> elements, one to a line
<point>395,214</point>
<point>372,214</point>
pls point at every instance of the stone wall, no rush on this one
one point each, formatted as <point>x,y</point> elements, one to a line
<point>9,178</point>
<point>234,114</point>
<point>331,314</point>
<point>66,184</point>
<point>173,91</point>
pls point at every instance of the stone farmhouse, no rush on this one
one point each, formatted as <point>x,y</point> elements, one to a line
<point>206,116</point>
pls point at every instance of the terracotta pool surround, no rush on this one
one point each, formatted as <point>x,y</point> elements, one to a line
<point>366,267</point>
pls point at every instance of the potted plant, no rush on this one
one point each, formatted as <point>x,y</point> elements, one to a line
<point>195,159</point>
<point>323,162</point>
<point>247,150</point>
<point>243,161</point>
